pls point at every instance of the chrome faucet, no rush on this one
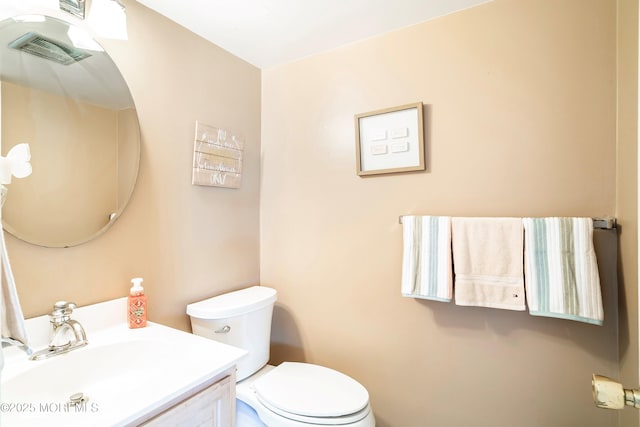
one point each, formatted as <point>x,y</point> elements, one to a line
<point>66,334</point>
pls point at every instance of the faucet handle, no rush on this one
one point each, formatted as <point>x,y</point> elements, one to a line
<point>61,311</point>
<point>64,307</point>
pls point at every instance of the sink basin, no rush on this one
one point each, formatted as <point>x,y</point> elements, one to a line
<point>95,372</point>
<point>122,374</point>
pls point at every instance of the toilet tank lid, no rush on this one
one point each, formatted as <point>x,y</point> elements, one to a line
<point>233,303</point>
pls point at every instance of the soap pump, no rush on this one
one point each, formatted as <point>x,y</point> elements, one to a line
<point>137,311</point>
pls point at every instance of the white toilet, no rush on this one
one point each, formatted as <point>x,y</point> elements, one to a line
<point>288,395</point>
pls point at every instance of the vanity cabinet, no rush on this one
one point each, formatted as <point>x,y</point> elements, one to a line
<point>213,406</point>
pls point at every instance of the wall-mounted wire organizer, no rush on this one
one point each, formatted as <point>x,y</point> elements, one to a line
<point>217,157</point>
<point>599,223</point>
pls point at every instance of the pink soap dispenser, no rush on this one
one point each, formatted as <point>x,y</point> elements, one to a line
<point>137,307</point>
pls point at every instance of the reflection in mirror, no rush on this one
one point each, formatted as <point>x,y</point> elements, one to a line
<point>64,96</point>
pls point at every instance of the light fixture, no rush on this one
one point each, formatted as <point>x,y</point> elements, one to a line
<point>29,18</point>
<point>108,19</point>
<point>17,163</point>
<point>74,7</point>
<point>83,40</point>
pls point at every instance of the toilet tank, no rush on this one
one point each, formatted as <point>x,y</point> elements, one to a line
<point>241,319</point>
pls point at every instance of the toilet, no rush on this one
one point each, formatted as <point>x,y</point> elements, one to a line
<point>291,394</point>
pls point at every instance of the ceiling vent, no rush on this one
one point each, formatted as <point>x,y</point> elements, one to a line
<point>50,49</point>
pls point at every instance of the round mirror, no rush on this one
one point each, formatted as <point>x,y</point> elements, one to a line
<point>64,96</point>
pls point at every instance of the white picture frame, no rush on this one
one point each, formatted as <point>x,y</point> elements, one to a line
<point>390,140</point>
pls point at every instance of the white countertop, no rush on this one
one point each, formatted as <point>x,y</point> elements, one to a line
<point>126,373</point>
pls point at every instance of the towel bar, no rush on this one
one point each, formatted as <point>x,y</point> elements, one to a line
<point>608,223</point>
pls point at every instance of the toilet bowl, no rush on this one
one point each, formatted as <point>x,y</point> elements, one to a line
<point>291,394</point>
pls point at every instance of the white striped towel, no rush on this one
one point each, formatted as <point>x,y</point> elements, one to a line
<point>561,270</point>
<point>426,263</point>
<point>487,260</point>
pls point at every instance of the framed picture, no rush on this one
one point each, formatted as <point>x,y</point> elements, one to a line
<point>390,140</point>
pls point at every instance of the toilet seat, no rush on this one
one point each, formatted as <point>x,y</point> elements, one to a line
<point>329,421</point>
<point>299,394</point>
<point>313,394</point>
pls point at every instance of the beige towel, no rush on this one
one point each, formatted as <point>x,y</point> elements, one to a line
<point>488,262</point>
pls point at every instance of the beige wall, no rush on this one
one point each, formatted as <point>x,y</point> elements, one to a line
<point>520,104</point>
<point>627,196</point>
<point>187,242</point>
<point>520,115</point>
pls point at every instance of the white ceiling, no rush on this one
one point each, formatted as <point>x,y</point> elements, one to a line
<point>267,33</point>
